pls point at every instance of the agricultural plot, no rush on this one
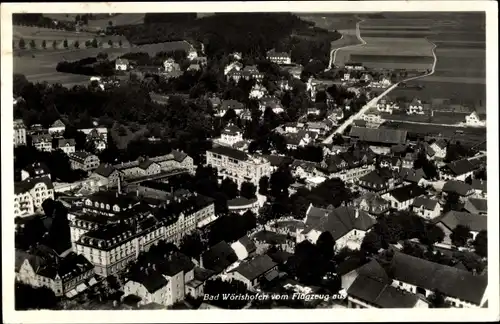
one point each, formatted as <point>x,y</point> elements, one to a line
<point>388,33</point>
<point>460,92</point>
<point>331,22</point>
<point>101,21</point>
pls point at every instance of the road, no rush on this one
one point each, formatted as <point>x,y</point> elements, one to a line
<point>333,53</point>
<point>374,101</point>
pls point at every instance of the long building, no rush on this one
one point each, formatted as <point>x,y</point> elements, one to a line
<point>19,133</point>
<point>237,165</point>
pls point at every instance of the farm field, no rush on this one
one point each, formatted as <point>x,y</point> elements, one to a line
<point>331,22</point>
<point>466,93</point>
<point>446,118</point>
<point>103,20</point>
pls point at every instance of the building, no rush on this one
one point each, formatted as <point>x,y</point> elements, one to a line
<point>462,189</point>
<point>230,135</point>
<point>415,107</point>
<point>270,102</point>
<point>175,160</point>
<point>457,170</point>
<point>284,85</point>
<point>379,180</point>
<point>461,288</point>
<point>300,139</point>
<point>244,248</point>
<point>42,142</point>
<point>403,197</point>
<point>409,175</point>
<point>218,258</point>
<point>373,204</point>
<point>192,54</point>
<point>66,145</point>
<point>29,195</point>
<point>241,205</point>
<point>439,148</point>
<point>140,168</point>
<point>105,175</point>
<point>161,280</point>
<point>449,221</point>
<point>379,136</point>
<point>348,166</point>
<point>196,287</point>
<point>426,207</point>
<point>251,272</point>
<point>19,133</point>
<point>65,276</point>
<point>121,64</point>
<point>194,67</point>
<point>476,206</point>
<point>386,105</point>
<point>225,105</point>
<point>279,57</point>
<point>258,91</point>
<point>354,66</point>
<point>475,120</point>
<point>35,170</point>
<point>82,160</point>
<point>58,127</point>
<point>233,67</point>
<point>97,135</point>
<point>347,225</point>
<point>480,188</point>
<point>237,165</point>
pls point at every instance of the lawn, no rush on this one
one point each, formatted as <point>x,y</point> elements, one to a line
<point>123,141</point>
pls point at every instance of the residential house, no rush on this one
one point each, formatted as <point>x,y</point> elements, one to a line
<point>42,142</point>
<point>382,82</point>
<point>35,170</point>
<point>410,176</point>
<point>378,136</point>
<point>58,127</point>
<point>19,133</point>
<point>367,78</point>
<point>475,120</point>
<point>66,145</point>
<point>408,160</point>
<point>347,226</point>
<point>461,288</point>
<point>233,67</point>
<point>139,168</point>
<point>237,165</point>
<point>462,189</point>
<point>175,160</point>
<point>372,119</point>
<point>457,170</point>
<point>279,57</point>
<point>214,102</point>
<point>439,148</point>
<point>271,102</point>
<point>241,205</point>
<point>230,135</point>
<point>258,91</point>
<point>295,70</point>
<point>168,65</point>
<point>403,197</point>
<point>300,139</point>
<point>476,206</point>
<point>98,135</point>
<point>251,272</point>
<point>192,54</point>
<point>373,204</point>
<point>386,105</point>
<point>218,258</point>
<point>225,105</point>
<point>82,160</point>
<point>65,276</point>
<point>121,64</point>
<point>105,175</point>
<point>390,162</point>
<point>321,127</point>
<point>480,188</point>
<point>348,166</point>
<point>303,169</point>
<point>196,287</point>
<point>354,66</point>
<point>29,195</point>
<point>378,180</point>
<point>244,248</point>
<point>449,221</point>
<point>415,107</point>
<point>426,207</point>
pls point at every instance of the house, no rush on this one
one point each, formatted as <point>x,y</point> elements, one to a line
<point>475,120</point>
<point>253,271</point>
<point>378,180</point>
<point>480,188</point>
<point>194,67</point>
<point>258,91</point>
<point>418,276</point>
<point>195,288</point>
<point>244,247</point>
<point>402,198</point>
<point>139,168</point>
<point>271,102</point>
<point>82,160</point>
<point>411,175</point>
<point>378,136</point>
<point>449,221</point>
<point>463,189</point>
<point>241,205</point>
<point>386,105</point>
<point>279,57</point>
<point>370,287</point>
<point>372,119</point>
<point>105,175</point>
<point>348,166</point>
<point>476,206</point>
<point>300,139</point>
<point>218,258</point>
<point>168,65</point>
<point>230,135</point>
<point>354,66</point>
<point>66,145</point>
<point>237,165</point>
<point>390,162</point>
<point>347,225</point>
<point>233,66</point>
<point>457,170</point>
<point>439,148</point>
<point>65,276</point>
<point>236,55</point>
<point>295,70</point>
<point>415,107</point>
<point>408,160</point>
<point>303,169</point>
<point>98,138</point>
<point>35,170</point>
<point>58,127</point>
<point>42,142</point>
<point>29,195</point>
<point>373,204</point>
<point>19,133</point>
<point>225,105</point>
<point>426,207</point>
<point>214,102</point>
<point>121,64</point>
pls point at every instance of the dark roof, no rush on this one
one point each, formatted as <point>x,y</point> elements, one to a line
<point>349,265</point>
<point>474,205</point>
<point>453,218</point>
<point>29,183</point>
<point>380,176</point>
<point>379,135</point>
<point>240,201</point>
<point>460,167</point>
<point>58,123</point>
<point>151,280</point>
<point>280,257</point>
<point>458,187</point>
<point>202,274</point>
<point>406,193</point>
<point>315,214</point>
<point>247,243</point>
<point>231,130</point>
<point>227,151</point>
<point>79,155</point>
<point>256,267</point>
<point>277,161</point>
<point>37,169</point>
<point>66,141</point>
<point>219,257</point>
<point>231,104</point>
<point>479,184</point>
<point>448,280</point>
<point>427,203</point>
<point>381,294</point>
<point>175,263</point>
<point>412,175</point>
<point>179,156</point>
<point>105,170</point>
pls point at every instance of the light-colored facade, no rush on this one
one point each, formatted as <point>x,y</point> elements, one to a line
<point>83,161</point>
<point>474,120</point>
<point>29,195</point>
<point>279,57</point>
<point>19,133</point>
<point>58,127</point>
<point>42,142</point>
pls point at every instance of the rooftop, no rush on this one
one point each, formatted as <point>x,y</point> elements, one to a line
<point>453,218</point>
<point>379,135</point>
<point>256,267</point>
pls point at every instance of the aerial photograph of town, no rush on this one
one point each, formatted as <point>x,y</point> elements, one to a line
<point>249,160</point>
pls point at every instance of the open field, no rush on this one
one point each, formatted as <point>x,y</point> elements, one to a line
<point>331,22</point>
<point>460,45</point>
<point>466,93</point>
<point>447,118</point>
<point>393,33</point>
<point>102,22</point>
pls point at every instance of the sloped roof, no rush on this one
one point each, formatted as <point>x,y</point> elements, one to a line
<point>231,104</point>
<point>58,123</point>
<point>240,201</point>
<point>232,130</point>
<point>315,214</point>
<point>379,135</point>
<point>66,141</point>
<point>256,267</point>
<point>427,203</point>
<point>474,205</point>
<point>377,176</point>
<point>461,167</point>
<point>152,280</point>
<point>458,187</point>
<point>219,257</point>
<point>479,184</point>
<point>450,281</point>
<point>227,151</point>
<point>412,175</point>
<point>406,193</point>
<point>105,169</point>
<point>29,183</point>
<point>247,243</point>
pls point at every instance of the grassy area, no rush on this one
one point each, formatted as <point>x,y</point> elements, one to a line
<point>123,140</point>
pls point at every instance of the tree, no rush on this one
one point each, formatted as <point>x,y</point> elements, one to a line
<point>460,235</point>
<point>49,206</point>
<point>437,300</point>
<point>94,43</point>
<point>247,190</point>
<point>481,244</point>
<point>22,43</point>
<point>32,44</point>
<point>229,188</point>
<point>33,232</point>
<point>77,44</point>
<point>44,44</point>
<point>452,202</point>
<point>192,245</point>
<point>110,43</point>
<point>28,297</point>
<point>88,43</point>
<point>431,235</point>
<point>59,234</point>
<point>300,263</point>
<point>65,43</point>
<point>54,44</point>
<point>230,115</point>
<point>372,243</point>
<point>280,181</point>
<point>326,245</point>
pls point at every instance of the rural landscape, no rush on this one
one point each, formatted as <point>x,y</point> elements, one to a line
<point>281,159</point>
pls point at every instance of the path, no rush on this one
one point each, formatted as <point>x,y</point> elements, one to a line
<point>333,53</point>
<point>374,101</point>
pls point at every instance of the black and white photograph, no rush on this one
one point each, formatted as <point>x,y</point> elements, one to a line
<point>224,156</point>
